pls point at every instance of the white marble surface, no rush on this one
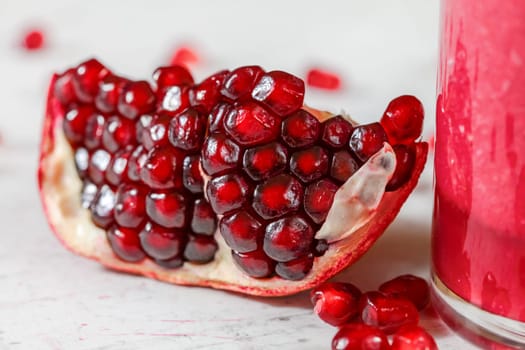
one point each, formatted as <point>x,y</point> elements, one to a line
<point>51,299</point>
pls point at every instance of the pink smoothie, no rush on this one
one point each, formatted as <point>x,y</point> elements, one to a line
<point>479,226</point>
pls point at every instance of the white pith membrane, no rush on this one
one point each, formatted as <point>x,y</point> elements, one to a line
<point>360,213</point>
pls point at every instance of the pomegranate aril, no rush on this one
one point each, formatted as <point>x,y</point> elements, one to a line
<point>357,336</point>
<point>81,161</point>
<point>250,124</point>
<point>98,164</point>
<point>89,191</point>
<point>207,93</point>
<point>336,132</point>
<point>203,220</point>
<point>300,129</point>
<point>265,161</point>
<point>227,193</point>
<point>183,56</point>
<point>410,287</point>
<point>366,140</point>
<point>86,79</point>
<point>33,40</point>
<point>343,166</point>
<point>277,196</point>
<point>323,79</point>
<point>75,122</point>
<point>156,131</point>
<point>200,249</point>
<point>167,208</point>
<point>256,264</point>
<point>162,243</point>
<point>241,231</point>
<point>288,238</point>
<point>217,116</point>
<point>172,76</point>
<point>136,98</point>
<point>309,164</point>
<point>136,162</point>
<point>240,82</point>
<point>63,89</point>
<point>318,199</point>
<point>403,119</point>
<point>118,133</point>
<point>295,270</point>
<point>163,168</point>
<point>219,154</point>
<point>405,160</point>
<point>103,206</point>
<point>142,125</point>
<point>125,243</point>
<point>191,174</point>
<point>281,92</point>
<point>109,92</point>
<point>172,263</point>
<point>336,303</point>
<point>130,205</point>
<point>95,126</point>
<point>413,338</point>
<point>174,99</point>
<point>387,313</point>
<point>186,131</point>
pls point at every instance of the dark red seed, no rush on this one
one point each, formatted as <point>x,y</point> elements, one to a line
<point>282,92</point>
<point>200,249</point>
<point>136,98</point>
<point>174,99</point>
<point>75,123</point>
<point>250,124</point>
<point>405,159</point>
<point>403,119</point>
<point>320,246</point>
<point>136,162</point>
<point>87,78</point>
<point>94,129</point>
<point>265,161</point>
<point>336,132</point>
<point>295,270</point>
<point>102,207</point>
<point>63,89</point>
<point>33,40</point>
<point>300,129</point>
<point>125,244</point>
<point>343,166</point>
<point>98,164</point>
<point>356,336</point>
<point>219,153</point>
<point>309,164</point>
<point>413,338</point>
<point>81,161</point>
<point>130,205</point>
<point>241,231</point>
<point>172,263</point>
<point>172,76</point>
<point>117,171</point>
<point>156,131</point>
<point>191,174</point>
<point>323,79</point>
<point>163,168</point>
<point>217,116</point>
<point>240,82</point>
<point>109,92</point>
<point>186,131</point>
<point>203,220</point>
<point>161,243</point>
<point>118,133</point>
<point>288,238</point>
<point>336,303</point>
<point>167,208</point>
<point>408,287</point>
<point>227,193</point>
<point>318,199</point>
<point>277,196</point>
<point>366,140</point>
<point>256,264</point>
<point>207,93</point>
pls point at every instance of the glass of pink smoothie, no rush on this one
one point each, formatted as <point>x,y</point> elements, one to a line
<point>478,241</point>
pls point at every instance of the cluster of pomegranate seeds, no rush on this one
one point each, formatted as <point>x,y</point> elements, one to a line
<point>33,40</point>
<point>323,79</point>
<point>366,319</point>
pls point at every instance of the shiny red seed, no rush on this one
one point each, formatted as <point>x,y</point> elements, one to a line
<point>281,92</point>
<point>413,338</point>
<point>241,231</point>
<point>318,199</point>
<point>323,79</point>
<point>403,119</point>
<point>295,270</point>
<point>136,162</point>
<point>130,205</point>
<point>277,196</point>
<point>142,125</point>
<point>356,336</point>
<point>109,92</point>
<point>186,131</point>
<point>366,140</point>
<point>336,132</point>
<point>86,79</point>
<point>174,99</point>
<point>167,208</point>
<point>191,174</point>
<point>136,98</point>
<point>219,154</point>
<point>118,133</point>
<point>172,76</point>
<point>250,124</point>
<point>200,249</point>
<point>63,89</point>
<point>95,125</point>
<point>240,82</point>
<point>227,193</point>
<point>82,160</point>
<point>203,220</point>
<point>288,238</point>
<point>300,129</point>
<point>405,159</point>
<point>75,122</point>
<point>102,207</point>
<point>98,164</point>
<point>163,168</point>
<point>309,164</point>
<point>125,243</point>
<point>117,171</point>
<point>217,116</point>
<point>33,40</point>
<point>89,191</point>
<point>156,132</point>
<point>184,56</point>
<point>207,93</point>
<point>408,287</point>
<point>256,264</point>
<point>162,243</point>
<point>265,161</point>
<point>336,303</point>
<point>343,166</point>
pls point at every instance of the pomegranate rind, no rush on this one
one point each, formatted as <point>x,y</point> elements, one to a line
<point>60,187</point>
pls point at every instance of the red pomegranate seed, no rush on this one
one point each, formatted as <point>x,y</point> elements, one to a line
<point>136,98</point>
<point>356,336</point>
<point>191,174</point>
<point>217,116</point>
<point>102,207</point>
<point>172,263</point>
<point>323,79</point>
<point>95,125</point>
<point>118,133</point>
<point>366,140</point>
<point>300,129</point>
<point>240,82</point>
<point>432,143</point>
<point>167,208</point>
<point>174,99</point>
<point>75,123</point>
<point>387,313</point>
<point>343,166</point>
<point>130,206</point>
<point>82,161</point>
<point>143,123</point>
<point>163,168</point>
<point>98,164</point>
<point>184,56</point>
<point>256,264</point>
<point>125,243</point>
<point>89,191</point>
<point>413,338</point>
<point>109,92</point>
<point>410,287</point>
<point>117,171</point>
<point>162,243</point>
<point>203,220</point>
<point>200,249</point>
<point>336,132</point>
<point>241,231</point>
<point>186,131</point>
<point>219,154</point>
<point>156,131</point>
<point>282,92</point>
<point>63,89</point>
<point>335,302</point>
<point>227,193</point>
<point>207,93</point>
<point>250,124</point>
<point>265,161</point>
<point>288,238</point>
<point>309,164</point>
<point>136,162</point>
<point>405,159</point>
<point>172,76</point>
<point>295,270</point>
<point>277,196</point>
<point>87,78</point>
<point>318,199</point>
<point>403,119</point>
<point>33,40</point>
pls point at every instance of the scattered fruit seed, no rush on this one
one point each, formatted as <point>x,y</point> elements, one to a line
<point>184,56</point>
<point>336,303</point>
<point>358,336</point>
<point>410,287</point>
<point>33,40</point>
<point>323,79</point>
<point>413,338</point>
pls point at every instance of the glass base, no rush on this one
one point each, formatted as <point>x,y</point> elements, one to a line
<point>480,327</point>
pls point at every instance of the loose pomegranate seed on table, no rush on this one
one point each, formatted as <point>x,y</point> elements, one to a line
<point>323,79</point>
<point>408,287</point>
<point>413,338</point>
<point>184,55</point>
<point>33,40</point>
<point>336,303</point>
<point>358,336</point>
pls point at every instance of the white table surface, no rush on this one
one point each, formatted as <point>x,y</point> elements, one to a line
<point>52,299</point>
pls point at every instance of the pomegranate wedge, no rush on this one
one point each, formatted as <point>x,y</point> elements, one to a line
<point>230,183</point>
